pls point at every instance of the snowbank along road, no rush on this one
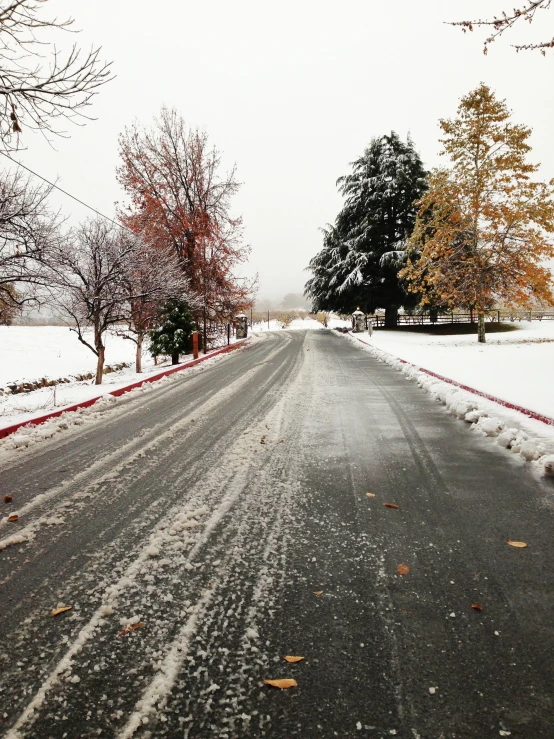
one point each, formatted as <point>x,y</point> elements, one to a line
<point>204,530</point>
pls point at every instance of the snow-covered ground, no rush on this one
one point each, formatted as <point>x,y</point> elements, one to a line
<point>32,352</point>
<point>516,367</point>
<point>29,353</point>
<point>298,324</point>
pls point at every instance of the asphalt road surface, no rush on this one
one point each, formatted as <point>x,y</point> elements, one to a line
<point>205,529</point>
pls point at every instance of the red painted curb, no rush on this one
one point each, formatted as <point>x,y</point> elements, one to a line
<point>526,412</point>
<point>116,393</point>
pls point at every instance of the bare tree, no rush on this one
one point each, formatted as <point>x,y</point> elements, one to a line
<point>153,276</point>
<point>90,273</point>
<point>506,21</point>
<point>29,234</point>
<point>39,87</point>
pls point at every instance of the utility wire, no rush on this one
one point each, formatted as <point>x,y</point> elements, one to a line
<point>69,195</point>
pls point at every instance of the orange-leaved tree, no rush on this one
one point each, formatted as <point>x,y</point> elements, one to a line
<point>482,230</point>
<point>181,197</point>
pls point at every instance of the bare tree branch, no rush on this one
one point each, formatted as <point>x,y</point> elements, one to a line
<point>507,21</point>
<point>29,233</point>
<point>39,89</point>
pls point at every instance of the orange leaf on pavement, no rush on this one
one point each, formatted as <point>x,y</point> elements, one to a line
<point>62,609</point>
<point>391,505</point>
<point>318,592</point>
<point>13,518</point>
<point>8,498</point>
<point>132,627</point>
<point>402,569</point>
<point>294,659</point>
<point>370,495</point>
<point>283,684</point>
<point>476,607</point>
<point>518,544</point>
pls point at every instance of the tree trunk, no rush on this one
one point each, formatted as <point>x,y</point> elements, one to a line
<point>481,328</point>
<point>391,316</point>
<point>100,365</point>
<point>175,358</point>
<point>138,359</point>
<point>434,315</point>
<point>100,349</point>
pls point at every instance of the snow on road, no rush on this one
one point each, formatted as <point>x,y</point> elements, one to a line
<point>199,525</point>
<point>226,529</point>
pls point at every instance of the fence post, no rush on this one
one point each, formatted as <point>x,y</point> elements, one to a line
<point>228,334</point>
<point>268,319</point>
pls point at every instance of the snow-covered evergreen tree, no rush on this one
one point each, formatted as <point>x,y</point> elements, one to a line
<point>364,250</point>
<point>172,335</point>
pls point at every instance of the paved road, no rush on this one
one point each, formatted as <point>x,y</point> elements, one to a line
<point>213,510</point>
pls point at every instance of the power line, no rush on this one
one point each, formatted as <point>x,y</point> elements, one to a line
<point>69,195</point>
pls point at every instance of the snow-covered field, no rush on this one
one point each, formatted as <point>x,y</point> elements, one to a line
<point>516,367</point>
<point>32,352</point>
<point>297,325</point>
<point>29,353</point>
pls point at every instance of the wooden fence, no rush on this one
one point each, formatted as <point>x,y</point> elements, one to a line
<point>492,316</point>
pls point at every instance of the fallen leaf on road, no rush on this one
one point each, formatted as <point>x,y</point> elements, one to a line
<point>13,518</point>
<point>391,505</point>
<point>283,684</point>
<point>370,495</point>
<point>318,592</point>
<point>132,627</point>
<point>402,569</point>
<point>294,659</point>
<point>63,609</point>
<point>518,544</point>
<point>476,607</point>
<point>8,498</point>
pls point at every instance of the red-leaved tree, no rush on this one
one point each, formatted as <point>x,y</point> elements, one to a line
<point>181,196</point>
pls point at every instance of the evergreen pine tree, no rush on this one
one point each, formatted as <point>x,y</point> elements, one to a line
<point>364,251</point>
<point>172,335</point>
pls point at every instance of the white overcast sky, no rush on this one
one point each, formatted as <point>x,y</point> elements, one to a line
<point>290,91</point>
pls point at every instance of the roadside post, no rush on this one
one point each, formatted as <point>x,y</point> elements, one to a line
<point>195,344</point>
<point>242,326</point>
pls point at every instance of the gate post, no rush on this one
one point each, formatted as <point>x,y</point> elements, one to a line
<point>242,326</point>
<point>358,321</point>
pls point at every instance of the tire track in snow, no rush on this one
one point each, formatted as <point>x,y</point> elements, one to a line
<point>94,476</point>
<point>86,633</point>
